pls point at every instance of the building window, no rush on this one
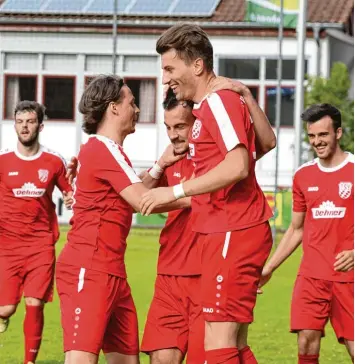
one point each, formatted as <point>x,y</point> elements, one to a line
<point>58,97</point>
<point>18,88</point>
<point>246,69</point>
<point>287,105</point>
<point>288,69</point>
<point>145,91</point>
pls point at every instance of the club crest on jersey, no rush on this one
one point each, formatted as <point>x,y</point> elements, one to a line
<point>196,129</point>
<point>43,175</point>
<point>345,189</point>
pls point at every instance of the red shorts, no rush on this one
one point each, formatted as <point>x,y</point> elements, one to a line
<point>30,275</point>
<point>232,263</point>
<point>315,301</point>
<point>175,318</point>
<point>97,311</point>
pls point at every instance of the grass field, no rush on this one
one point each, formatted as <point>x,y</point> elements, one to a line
<point>269,335</point>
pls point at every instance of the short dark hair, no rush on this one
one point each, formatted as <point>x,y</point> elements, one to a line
<point>319,111</point>
<point>31,106</point>
<point>190,43</point>
<point>97,96</point>
<point>171,102</point>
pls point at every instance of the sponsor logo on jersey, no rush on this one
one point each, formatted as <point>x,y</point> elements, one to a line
<point>177,174</point>
<point>345,189</point>
<point>196,129</point>
<point>13,173</point>
<point>327,210</point>
<point>208,310</point>
<point>29,190</point>
<point>43,175</point>
<point>313,189</point>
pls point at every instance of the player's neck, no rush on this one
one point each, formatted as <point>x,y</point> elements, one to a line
<point>28,151</point>
<point>203,87</point>
<point>335,160</point>
<point>116,135</point>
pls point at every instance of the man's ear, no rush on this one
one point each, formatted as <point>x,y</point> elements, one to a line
<point>113,107</point>
<point>198,66</point>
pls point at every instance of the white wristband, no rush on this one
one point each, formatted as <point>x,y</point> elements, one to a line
<point>156,171</point>
<point>178,191</point>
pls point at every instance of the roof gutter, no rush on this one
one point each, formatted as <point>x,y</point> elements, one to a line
<point>151,23</point>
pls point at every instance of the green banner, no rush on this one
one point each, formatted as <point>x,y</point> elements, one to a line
<point>267,12</point>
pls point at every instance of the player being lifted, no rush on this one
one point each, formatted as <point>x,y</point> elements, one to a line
<point>175,322</point>
<point>231,211</point>
<point>28,224</point>
<point>97,308</point>
<point>323,220</point>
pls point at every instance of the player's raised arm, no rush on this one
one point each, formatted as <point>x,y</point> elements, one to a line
<point>265,136</point>
<point>229,127</point>
<point>155,176</point>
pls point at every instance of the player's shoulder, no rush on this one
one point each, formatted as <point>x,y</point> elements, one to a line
<point>351,158</point>
<point>103,145</point>
<point>54,155</point>
<point>306,167</point>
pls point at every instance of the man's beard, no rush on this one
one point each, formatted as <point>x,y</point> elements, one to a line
<point>30,142</point>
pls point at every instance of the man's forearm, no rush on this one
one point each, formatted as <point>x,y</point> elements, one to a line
<point>148,180</point>
<point>265,136</point>
<point>182,203</point>
<point>289,243</point>
<point>224,174</point>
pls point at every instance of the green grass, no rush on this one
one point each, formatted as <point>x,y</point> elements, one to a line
<point>269,336</point>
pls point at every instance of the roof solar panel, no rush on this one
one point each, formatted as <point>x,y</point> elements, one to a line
<point>106,6</point>
<point>195,7</point>
<point>65,6</point>
<point>21,5</point>
<point>150,7</point>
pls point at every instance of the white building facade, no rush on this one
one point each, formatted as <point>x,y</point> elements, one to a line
<point>53,65</point>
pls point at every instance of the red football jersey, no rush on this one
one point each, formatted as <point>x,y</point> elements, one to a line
<point>222,123</point>
<point>101,217</point>
<point>179,253</point>
<point>326,195</point>
<point>27,211</point>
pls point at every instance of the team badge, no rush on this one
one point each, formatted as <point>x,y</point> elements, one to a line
<point>196,129</point>
<point>345,189</point>
<point>43,175</point>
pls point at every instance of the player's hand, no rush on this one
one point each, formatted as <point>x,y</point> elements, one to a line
<point>155,197</point>
<point>344,261</point>
<point>223,83</point>
<point>169,157</point>
<point>68,199</point>
<point>265,277</point>
<point>71,170</point>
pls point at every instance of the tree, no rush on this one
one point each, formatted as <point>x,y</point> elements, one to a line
<point>335,91</point>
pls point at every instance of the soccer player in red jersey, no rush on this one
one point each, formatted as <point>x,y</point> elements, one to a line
<point>175,323</point>
<point>97,308</point>
<point>231,211</point>
<point>28,224</point>
<point>323,219</point>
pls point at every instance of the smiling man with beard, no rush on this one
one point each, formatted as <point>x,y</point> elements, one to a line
<point>323,220</point>
<point>28,224</point>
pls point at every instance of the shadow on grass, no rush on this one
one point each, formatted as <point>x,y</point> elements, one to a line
<point>50,361</point>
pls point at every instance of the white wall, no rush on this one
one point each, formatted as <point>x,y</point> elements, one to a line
<point>149,141</point>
